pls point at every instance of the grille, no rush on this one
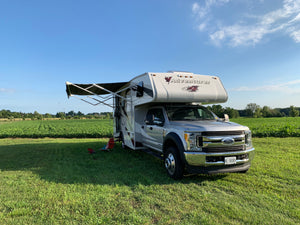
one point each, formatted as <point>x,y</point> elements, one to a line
<point>224,149</point>
<point>214,141</point>
<point>222,133</point>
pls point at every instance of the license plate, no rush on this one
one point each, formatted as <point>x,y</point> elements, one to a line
<point>230,160</point>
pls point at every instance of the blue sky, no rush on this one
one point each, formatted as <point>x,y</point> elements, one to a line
<point>252,45</point>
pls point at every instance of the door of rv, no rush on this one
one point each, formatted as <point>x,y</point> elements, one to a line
<point>154,129</point>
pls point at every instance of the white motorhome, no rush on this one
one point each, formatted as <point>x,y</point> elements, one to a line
<point>164,112</point>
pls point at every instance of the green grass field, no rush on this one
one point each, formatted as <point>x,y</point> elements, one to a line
<point>272,127</point>
<point>56,181</point>
<point>261,127</point>
<point>91,128</point>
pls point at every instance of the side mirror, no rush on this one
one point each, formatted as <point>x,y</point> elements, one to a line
<point>226,118</point>
<point>140,89</point>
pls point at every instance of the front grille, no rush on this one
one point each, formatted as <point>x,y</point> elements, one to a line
<point>224,149</point>
<point>221,141</point>
<point>223,133</point>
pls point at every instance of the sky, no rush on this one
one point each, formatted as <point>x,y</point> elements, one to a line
<point>252,45</point>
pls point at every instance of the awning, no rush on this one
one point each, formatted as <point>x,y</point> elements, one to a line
<point>94,89</point>
<point>101,93</point>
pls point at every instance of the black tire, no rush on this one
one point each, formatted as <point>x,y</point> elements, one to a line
<point>173,163</point>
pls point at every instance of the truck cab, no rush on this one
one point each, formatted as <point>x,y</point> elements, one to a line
<point>192,138</point>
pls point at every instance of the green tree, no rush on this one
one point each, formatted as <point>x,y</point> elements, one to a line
<point>61,115</point>
<point>232,113</point>
<point>37,116</point>
<point>258,113</point>
<point>251,108</point>
<point>293,111</point>
<point>217,109</point>
<point>71,114</point>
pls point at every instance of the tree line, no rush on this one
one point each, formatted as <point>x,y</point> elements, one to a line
<point>255,111</point>
<point>7,114</point>
<point>251,110</point>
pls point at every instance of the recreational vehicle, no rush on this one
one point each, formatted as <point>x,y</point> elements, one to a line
<point>164,112</point>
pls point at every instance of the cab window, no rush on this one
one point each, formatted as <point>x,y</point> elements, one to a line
<point>155,117</point>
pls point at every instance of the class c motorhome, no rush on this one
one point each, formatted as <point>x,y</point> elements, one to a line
<point>164,112</point>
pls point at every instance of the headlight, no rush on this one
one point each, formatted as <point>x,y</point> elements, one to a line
<point>248,138</point>
<point>190,139</point>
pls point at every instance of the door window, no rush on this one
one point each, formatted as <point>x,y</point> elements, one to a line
<point>155,117</point>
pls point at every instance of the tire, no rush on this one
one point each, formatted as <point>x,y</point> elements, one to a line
<point>173,163</point>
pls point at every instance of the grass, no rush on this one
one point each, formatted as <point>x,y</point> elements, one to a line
<point>260,127</point>
<point>272,127</point>
<point>56,181</point>
<point>91,128</point>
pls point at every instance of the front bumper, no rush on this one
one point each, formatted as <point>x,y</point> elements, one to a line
<point>204,159</point>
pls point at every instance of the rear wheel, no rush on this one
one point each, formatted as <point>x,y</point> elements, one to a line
<point>173,163</point>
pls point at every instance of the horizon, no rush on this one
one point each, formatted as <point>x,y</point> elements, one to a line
<point>96,112</point>
<point>253,46</point>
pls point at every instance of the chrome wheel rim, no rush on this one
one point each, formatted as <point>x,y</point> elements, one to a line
<point>170,164</point>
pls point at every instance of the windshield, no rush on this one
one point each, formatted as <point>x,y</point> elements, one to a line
<point>189,113</point>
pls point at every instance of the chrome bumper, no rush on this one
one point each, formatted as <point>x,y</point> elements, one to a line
<point>199,158</point>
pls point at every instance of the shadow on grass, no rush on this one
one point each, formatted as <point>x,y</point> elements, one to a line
<point>68,161</point>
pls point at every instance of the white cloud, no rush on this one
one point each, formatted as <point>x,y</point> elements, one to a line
<point>249,29</point>
<point>291,87</point>
<point>202,26</point>
<point>296,36</point>
<point>6,90</point>
<point>195,7</point>
<point>202,10</point>
<point>238,35</point>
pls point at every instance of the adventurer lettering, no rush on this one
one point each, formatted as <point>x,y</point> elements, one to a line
<point>186,81</point>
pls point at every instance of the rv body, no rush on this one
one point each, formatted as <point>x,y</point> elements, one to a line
<point>164,112</point>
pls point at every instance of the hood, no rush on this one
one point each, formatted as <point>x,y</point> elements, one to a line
<point>207,125</point>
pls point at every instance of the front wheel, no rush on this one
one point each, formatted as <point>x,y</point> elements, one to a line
<point>173,163</point>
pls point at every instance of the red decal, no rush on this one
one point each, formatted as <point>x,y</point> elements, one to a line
<point>168,79</point>
<point>192,88</point>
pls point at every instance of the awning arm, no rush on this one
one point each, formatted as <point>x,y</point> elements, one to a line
<point>98,98</point>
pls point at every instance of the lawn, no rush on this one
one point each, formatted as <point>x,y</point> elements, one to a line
<point>91,128</point>
<point>95,128</point>
<point>272,127</point>
<point>56,181</point>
